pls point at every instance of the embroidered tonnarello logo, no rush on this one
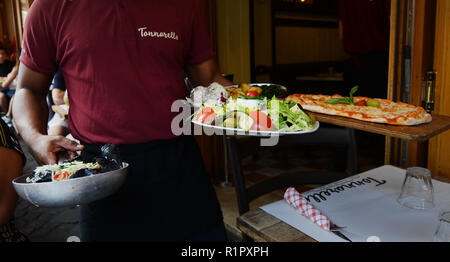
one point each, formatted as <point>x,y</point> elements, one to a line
<point>147,33</point>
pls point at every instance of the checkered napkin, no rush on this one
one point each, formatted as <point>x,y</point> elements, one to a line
<point>300,204</point>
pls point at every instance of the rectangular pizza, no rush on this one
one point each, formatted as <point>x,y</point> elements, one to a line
<point>364,108</point>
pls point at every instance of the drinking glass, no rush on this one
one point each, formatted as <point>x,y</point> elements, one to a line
<point>442,233</point>
<point>417,189</point>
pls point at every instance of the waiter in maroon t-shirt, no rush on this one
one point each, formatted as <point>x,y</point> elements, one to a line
<point>123,63</point>
<point>364,31</point>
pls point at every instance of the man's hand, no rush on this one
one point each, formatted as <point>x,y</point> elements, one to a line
<point>48,149</point>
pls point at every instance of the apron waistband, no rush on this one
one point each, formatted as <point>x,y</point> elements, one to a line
<point>130,149</point>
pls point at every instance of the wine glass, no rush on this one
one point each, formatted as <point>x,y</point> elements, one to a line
<point>417,189</point>
<point>442,233</point>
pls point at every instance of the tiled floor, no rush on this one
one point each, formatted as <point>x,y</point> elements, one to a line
<point>57,224</point>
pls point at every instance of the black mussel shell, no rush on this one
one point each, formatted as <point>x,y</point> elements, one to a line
<point>45,176</point>
<point>107,165</point>
<point>111,153</point>
<point>85,172</point>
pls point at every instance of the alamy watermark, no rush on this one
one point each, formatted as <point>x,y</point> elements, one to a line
<point>181,125</point>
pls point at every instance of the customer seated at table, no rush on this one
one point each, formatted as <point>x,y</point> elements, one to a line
<point>12,161</point>
<point>6,67</point>
<point>58,125</point>
<point>10,93</point>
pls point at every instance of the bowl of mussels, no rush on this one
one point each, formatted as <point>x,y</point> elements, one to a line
<point>74,182</point>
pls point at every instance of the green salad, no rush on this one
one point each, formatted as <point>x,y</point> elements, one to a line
<point>288,116</point>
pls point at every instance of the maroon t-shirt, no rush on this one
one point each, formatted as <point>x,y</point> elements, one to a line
<point>122,62</point>
<point>366,25</point>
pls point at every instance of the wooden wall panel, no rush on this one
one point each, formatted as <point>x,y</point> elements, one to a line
<point>439,152</point>
<point>262,37</point>
<point>399,9</point>
<point>422,62</point>
<point>308,44</point>
<point>233,38</point>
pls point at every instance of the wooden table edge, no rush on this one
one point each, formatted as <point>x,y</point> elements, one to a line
<point>259,236</point>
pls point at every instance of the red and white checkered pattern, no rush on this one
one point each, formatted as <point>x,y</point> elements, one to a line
<point>299,203</point>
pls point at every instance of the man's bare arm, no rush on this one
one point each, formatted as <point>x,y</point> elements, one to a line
<point>31,114</point>
<point>30,109</point>
<point>206,73</point>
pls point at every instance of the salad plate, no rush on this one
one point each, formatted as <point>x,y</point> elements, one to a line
<point>237,131</point>
<point>249,109</point>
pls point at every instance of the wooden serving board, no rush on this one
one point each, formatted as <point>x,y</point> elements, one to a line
<point>422,132</point>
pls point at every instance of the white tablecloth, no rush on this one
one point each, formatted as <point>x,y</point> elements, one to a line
<point>366,204</point>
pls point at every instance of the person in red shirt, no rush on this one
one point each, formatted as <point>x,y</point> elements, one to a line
<point>123,63</point>
<point>364,31</point>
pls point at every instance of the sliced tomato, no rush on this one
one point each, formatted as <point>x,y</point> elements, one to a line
<point>261,121</point>
<point>58,176</point>
<point>361,103</point>
<point>206,115</point>
<point>252,93</point>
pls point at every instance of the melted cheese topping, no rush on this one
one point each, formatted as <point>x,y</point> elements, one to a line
<point>388,112</point>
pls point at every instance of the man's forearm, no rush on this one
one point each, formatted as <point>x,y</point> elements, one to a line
<point>205,73</point>
<point>30,114</point>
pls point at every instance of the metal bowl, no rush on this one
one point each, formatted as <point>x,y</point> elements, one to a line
<point>71,192</point>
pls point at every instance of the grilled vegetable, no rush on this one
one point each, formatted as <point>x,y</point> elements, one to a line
<point>373,102</point>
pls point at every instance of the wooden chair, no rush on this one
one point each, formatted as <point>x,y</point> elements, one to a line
<point>238,148</point>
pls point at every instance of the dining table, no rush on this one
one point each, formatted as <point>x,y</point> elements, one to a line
<point>261,226</point>
<point>264,227</point>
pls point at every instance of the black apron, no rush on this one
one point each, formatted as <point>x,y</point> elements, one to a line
<point>167,196</point>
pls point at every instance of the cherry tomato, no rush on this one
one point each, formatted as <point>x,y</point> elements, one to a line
<point>361,103</point>
<point>206,115</point>
<point>261,121</point>
<point>252,93</point>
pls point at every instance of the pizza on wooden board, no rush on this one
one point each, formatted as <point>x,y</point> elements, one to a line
<point>364,108</point>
